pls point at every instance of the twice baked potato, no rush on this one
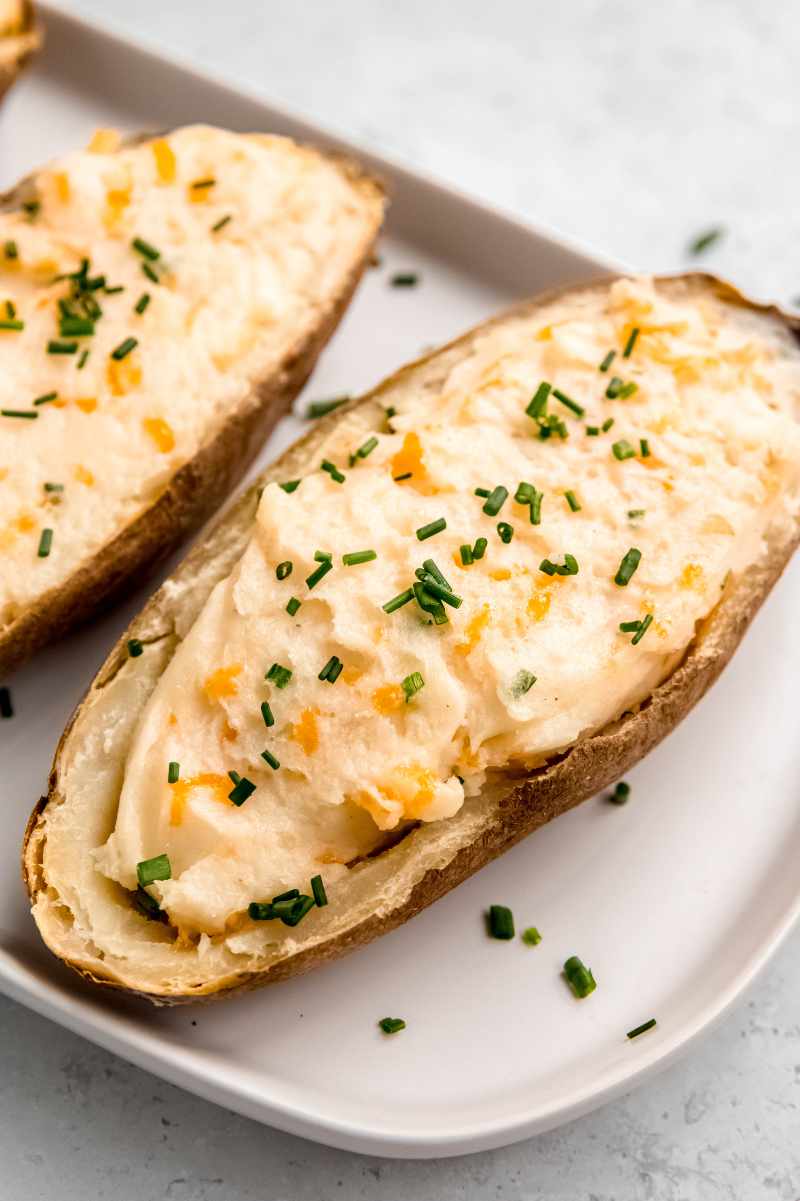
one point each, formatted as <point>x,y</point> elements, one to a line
<point>458,607</point>
<point>20,38</point>
<point>162,302</point>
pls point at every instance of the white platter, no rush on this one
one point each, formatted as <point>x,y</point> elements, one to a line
<point>675,900</point>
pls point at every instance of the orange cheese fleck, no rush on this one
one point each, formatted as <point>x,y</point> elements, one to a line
<point>160,432</point>
<point>45,267</point>
<point>220,786</point>
<point>545,334</point>
<point>104,141</point>
<point>305,732</point>
<point>501,573</point>
<point>25,523</point>
<point>198,195</point>
<point>229,734</point>
<point>539,604</point>
<point>173,721</point>
<point>165,160</point>
<point>409,461</point>
<point>84,476</point>
<point>61,182</point>
<point>473,630</point>
<point>87,404</point>
<point>117,200</point>
<point>123,375</point>
<point>693,577</point>
<point>388,698</point>
<point>351,675</point>
<point>222,682</point>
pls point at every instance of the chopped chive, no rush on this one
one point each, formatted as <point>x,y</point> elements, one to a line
<point>333,471</point>
<point>284,569</point>
<point>223,221</point>
<point>621,793</point>
<point>404,279</point>
<point>150,870</point>
<point>32,207</point>
<point>628,565</point>
<point>321,571</point>
<point>10,250</point>
<point>440,592</point>
<point>645,1026</point>
<point>505,531</point>
<point>607,361</point>
<point>116,289</point>
<point>531,937</point>
<point>405,476</point>
<point>234,777</point>
<point>524,493</point>
<point>623,450</point>
<point>11,308</point>
<point>365,449</point>
<point>150,273</point>
<point>391,1025</point>
<point>278,675</point>
<point>614,388</point>
<point>548,426</point>
<point>289,895</point>
<point>430,604</point>
<point>6,707</point>
<point>647,621</point>
<point>644,446</point>
<point>292,912</point>
<point>523,682</point>
<point>269,758</point>
<point>142,303</point>
<point>495,501</point>
<point>501,922</point>
<point>318,891</point>
<point>484,492</point>
<point>145,249</point>
<point>398,601</point>
<point>318,408</point>
<point>323,556</point>
<point>429,566</point>
<point>466,554</point>
<point>479,549</point>
<point>56,347</point>
<point>629,345</point>
<point>241,790</point>
<point>292,605</point>
<point>26,414</point>
<point>135,647</point>
<point>173,772</point>
<point>629,627</point>
<point>706,239</point>
<point>433,527</point>
<point>569,403</point>
<point>45,543</point>
<point>266,713</point>
<point>124,348</point>
<point>628,390</point>
<point>261,911</point>
<point>359,556</point>
<point>634,513</point>
<point>572,501</point>
<point>579,977</point>
<point>148,906</point>
<point>76,327</point>
<point>46,398</point>
<point>412,685</point>
<point>607,424</point>
<point>538,404</point>
<point>570,566</point>
<point>199,184</point>
<point>536,507</point>
<point>331,670</point>
<point>48,487</point>
<point>82,360</point>
<point>290,485</point>
<point>16,325</point>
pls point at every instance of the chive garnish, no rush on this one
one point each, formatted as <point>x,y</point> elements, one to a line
<point>315,577</point>
<point>82,360</point>
<point>278,675</point>
<point>412,685</point>
<point>629,627</point>
<point>148,906</point>
<point>644,446</point>
<point>645,1026</point>
<point>505,531</point>
<point>536,507</point>
<point>56,347</point>
<point>31,208</point>
<point>430,567</point>
<point>484,492</point>
<point>629,345</point>
<point>398,479</point>
<point>292,605</point>
<point>364,450</point>
<point>550,425</point>
<point>430,604</point>
<point>289,895</point>
<point>614,388</point>
<point>628,565</point>
<point>6,708</point>
<point>479,549</point>
<point>569,403</point>
<point>433,527</point>
<point>628,390</point>
<point>261,911</point>
<point>621,792</point>
<point>200,184</point>
<point>501,922</point>
<point>11,308</point>
<point>404,279</point>
<point>538,404</point>
<point>579,977</point>
<point>142,303</point>
<point>623,450</point>
<point>398,601</point>
<point>706,239</point>
<point>570,566</point>
<point>150,870</point>
<point>440,591</point>
<point>333,471</point>
<point>531,937</point>
<point>173,772</point>
<point>145,249</point>
<point>76,327</point>
<point>48,487</point>
<point>647,621</point>
<point>266,713</point>
<point>241,790</point>
<point>523,682</point>
<point>124,348</point>
<point>292,912</point>
<point>223,221</point>
<point>607,361</point>
<point>116,289</point>
<point>607,424</point>
<point>234,777</point>
<point>353,558</point>
<point>48,396</point>
<point>151,274</point>
<point>466,554</point>
<point>319,408</point>
<point>572,501</point>
<point>10,250</point>
<point>14,324</point>
<point>391,1025</point>
<point>269,758</point>
<point>283,570</point>
<point>135,647</point>
<point>26,414</point>
<point>331,670</point>
<point>290,485</point>
<point>45,543</point>
<point>495,501</point>
<point>318,892</point>
<point>634,513</point>
<point>524,493</point>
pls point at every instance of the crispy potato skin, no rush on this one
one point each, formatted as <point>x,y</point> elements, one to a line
<point>579,773</point>
<point>28,41</point>
<point>197,488</point>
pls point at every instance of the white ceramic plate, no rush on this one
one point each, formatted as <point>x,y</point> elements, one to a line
<point>675,900</point>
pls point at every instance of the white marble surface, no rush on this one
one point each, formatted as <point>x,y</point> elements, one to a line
<point>630,126</point>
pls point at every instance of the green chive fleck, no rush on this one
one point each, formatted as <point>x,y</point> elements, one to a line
<point>538,404</point>
<point>705,240</point>
<point>531,937</point>
<point>433,527</point>
<point>523,682</point>
<point>359,556</point>
<point>569,403</point>
<point>292,605</point>
<point>319,408</point>
<point>332,670</point>
<point>607,361</point>
<point>465,552</point>
<point>173,772</point>
<point>391,1025</point>
<point>150,870</point>
<point>412,685</point>
<point>505,531</point>
<point>46,398</point>
<point>266,713</point>
<point>135,648</point>
<point>318,891</point>
<point>572,501</point>
<point>479,549</point>
<point>623,450</point>
<point>145,249</point>
<point>6,707</point>
<point>290,485</point>
<point>645,1026</point>
<point>56,347</point>
<point>629,345</point>
<point>124,348</point>
<point>270,759</point>
<point>278,675</point>
<point>621,793</point>
<point>495,501</point>
<point>284,569</point>
<point>501,922</point>
<point>579,977</point>
<point>242,789</point>
<point>627,567</point>
<point>404,279</point>
<point>398,601</point>
<point>325,566</point>
<point>223,221</point>
<point>25,414</point>
<point>142,303</point>
<point>45,543</point>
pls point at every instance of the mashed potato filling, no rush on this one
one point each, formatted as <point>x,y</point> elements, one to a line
<point>143,291</point>
<point>686,450</point>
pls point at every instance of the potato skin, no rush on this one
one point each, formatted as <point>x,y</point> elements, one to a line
<point>28,41</point>
<point>579,773</point>
<point>195,491</point>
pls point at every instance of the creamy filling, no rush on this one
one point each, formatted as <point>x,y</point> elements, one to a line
<point>700,465</point>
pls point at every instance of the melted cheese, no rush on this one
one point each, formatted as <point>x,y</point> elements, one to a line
<point>361,759</point>
<point>226,306</point>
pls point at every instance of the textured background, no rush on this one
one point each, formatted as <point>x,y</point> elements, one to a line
<point>630,126</point>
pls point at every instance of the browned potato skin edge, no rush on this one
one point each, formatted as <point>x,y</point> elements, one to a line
<point>582,771</point>
<point>33,35</point>
<point>192,494</point>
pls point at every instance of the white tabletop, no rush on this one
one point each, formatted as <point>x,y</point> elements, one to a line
<point>630,126</point>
